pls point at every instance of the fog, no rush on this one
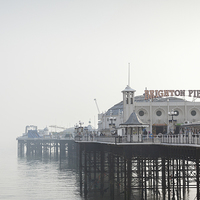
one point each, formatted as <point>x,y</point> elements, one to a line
<point>58,56</point>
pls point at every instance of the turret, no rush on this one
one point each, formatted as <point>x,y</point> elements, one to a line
<point>128,102</point>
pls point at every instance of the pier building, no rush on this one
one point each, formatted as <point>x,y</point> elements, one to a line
<point>163,110</point>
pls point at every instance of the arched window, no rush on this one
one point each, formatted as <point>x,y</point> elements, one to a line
<point>127,98</point>
<point>131,96</point>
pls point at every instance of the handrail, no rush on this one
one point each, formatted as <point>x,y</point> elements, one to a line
<point>165,138</point>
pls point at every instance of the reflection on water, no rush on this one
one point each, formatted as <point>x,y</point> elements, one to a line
<point>37,178</point>
<point>48,178</point>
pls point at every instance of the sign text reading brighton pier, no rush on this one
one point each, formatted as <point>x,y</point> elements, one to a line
<point>150,94</point>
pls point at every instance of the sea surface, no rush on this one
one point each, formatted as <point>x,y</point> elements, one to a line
<point>44,178</point>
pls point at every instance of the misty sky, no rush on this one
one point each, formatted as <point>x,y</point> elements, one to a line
<point>56,57</point>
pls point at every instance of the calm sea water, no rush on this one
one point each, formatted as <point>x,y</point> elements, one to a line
<point>36,178</point>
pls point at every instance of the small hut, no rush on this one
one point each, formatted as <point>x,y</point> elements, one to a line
<point>133,128</point>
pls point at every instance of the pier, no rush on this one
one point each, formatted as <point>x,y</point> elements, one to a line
<point>128,167</point>
<point>38,146</point>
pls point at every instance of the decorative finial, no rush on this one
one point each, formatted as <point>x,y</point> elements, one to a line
<point>128,74</point>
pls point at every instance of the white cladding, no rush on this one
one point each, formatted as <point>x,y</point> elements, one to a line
<point>153,112</point>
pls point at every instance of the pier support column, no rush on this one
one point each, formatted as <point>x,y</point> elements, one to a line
<point>62,148</point>
<point>95,168</point>
<point>89,169</point>
<point>56,148</point>
<point>118,183</point>
<point>80,168</point>
<point>173,176</point>
<point>177,179</point>
<point>184,178</point>
<point>50,148</point>
<point>129,177</point>
<point>39,148</point>
<point>102,173</point>
<point>85,172</point>
<point>20,148</point>
<point>145,178</point>
<point>168,178</point>
<point>111,173</point>
<point>125,175</point>
<point>69,150</point>
<point>197,172</point>
<point>141,178</point>
<point>156,162</point>
<point>139,175</point>
<point>163,178</point>
<point>28,148</point>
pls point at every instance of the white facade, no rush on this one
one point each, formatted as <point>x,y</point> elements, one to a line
<point>156,113</point>
<point>153,112</point>
<point>109,121</point>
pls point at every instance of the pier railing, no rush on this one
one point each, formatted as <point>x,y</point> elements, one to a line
<point>182,139</point>
<point>165,138</point>
<point>116,139</point>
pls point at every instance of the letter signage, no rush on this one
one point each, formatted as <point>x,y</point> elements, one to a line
<point>150,94</point>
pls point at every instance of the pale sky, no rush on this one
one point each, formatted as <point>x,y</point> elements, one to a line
<point>58,56</point>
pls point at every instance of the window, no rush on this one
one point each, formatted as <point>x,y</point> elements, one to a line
<point>131,100</point>
<point>131,96</point>
<point>126,100</point>
<point>127,95</point>
<point>141,113</point>
<point>193,112</point>
<point>158,113</point>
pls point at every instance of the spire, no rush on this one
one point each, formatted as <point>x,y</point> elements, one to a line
<point>128,87</point>
<point>128,99</point>
<point>129,74</point>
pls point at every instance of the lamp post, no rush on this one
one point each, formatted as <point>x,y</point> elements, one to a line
<point>78,130</point>
<point>172,113</point>
<point>112,124</point>
<point>112,119</point>
<point>86,131</point>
